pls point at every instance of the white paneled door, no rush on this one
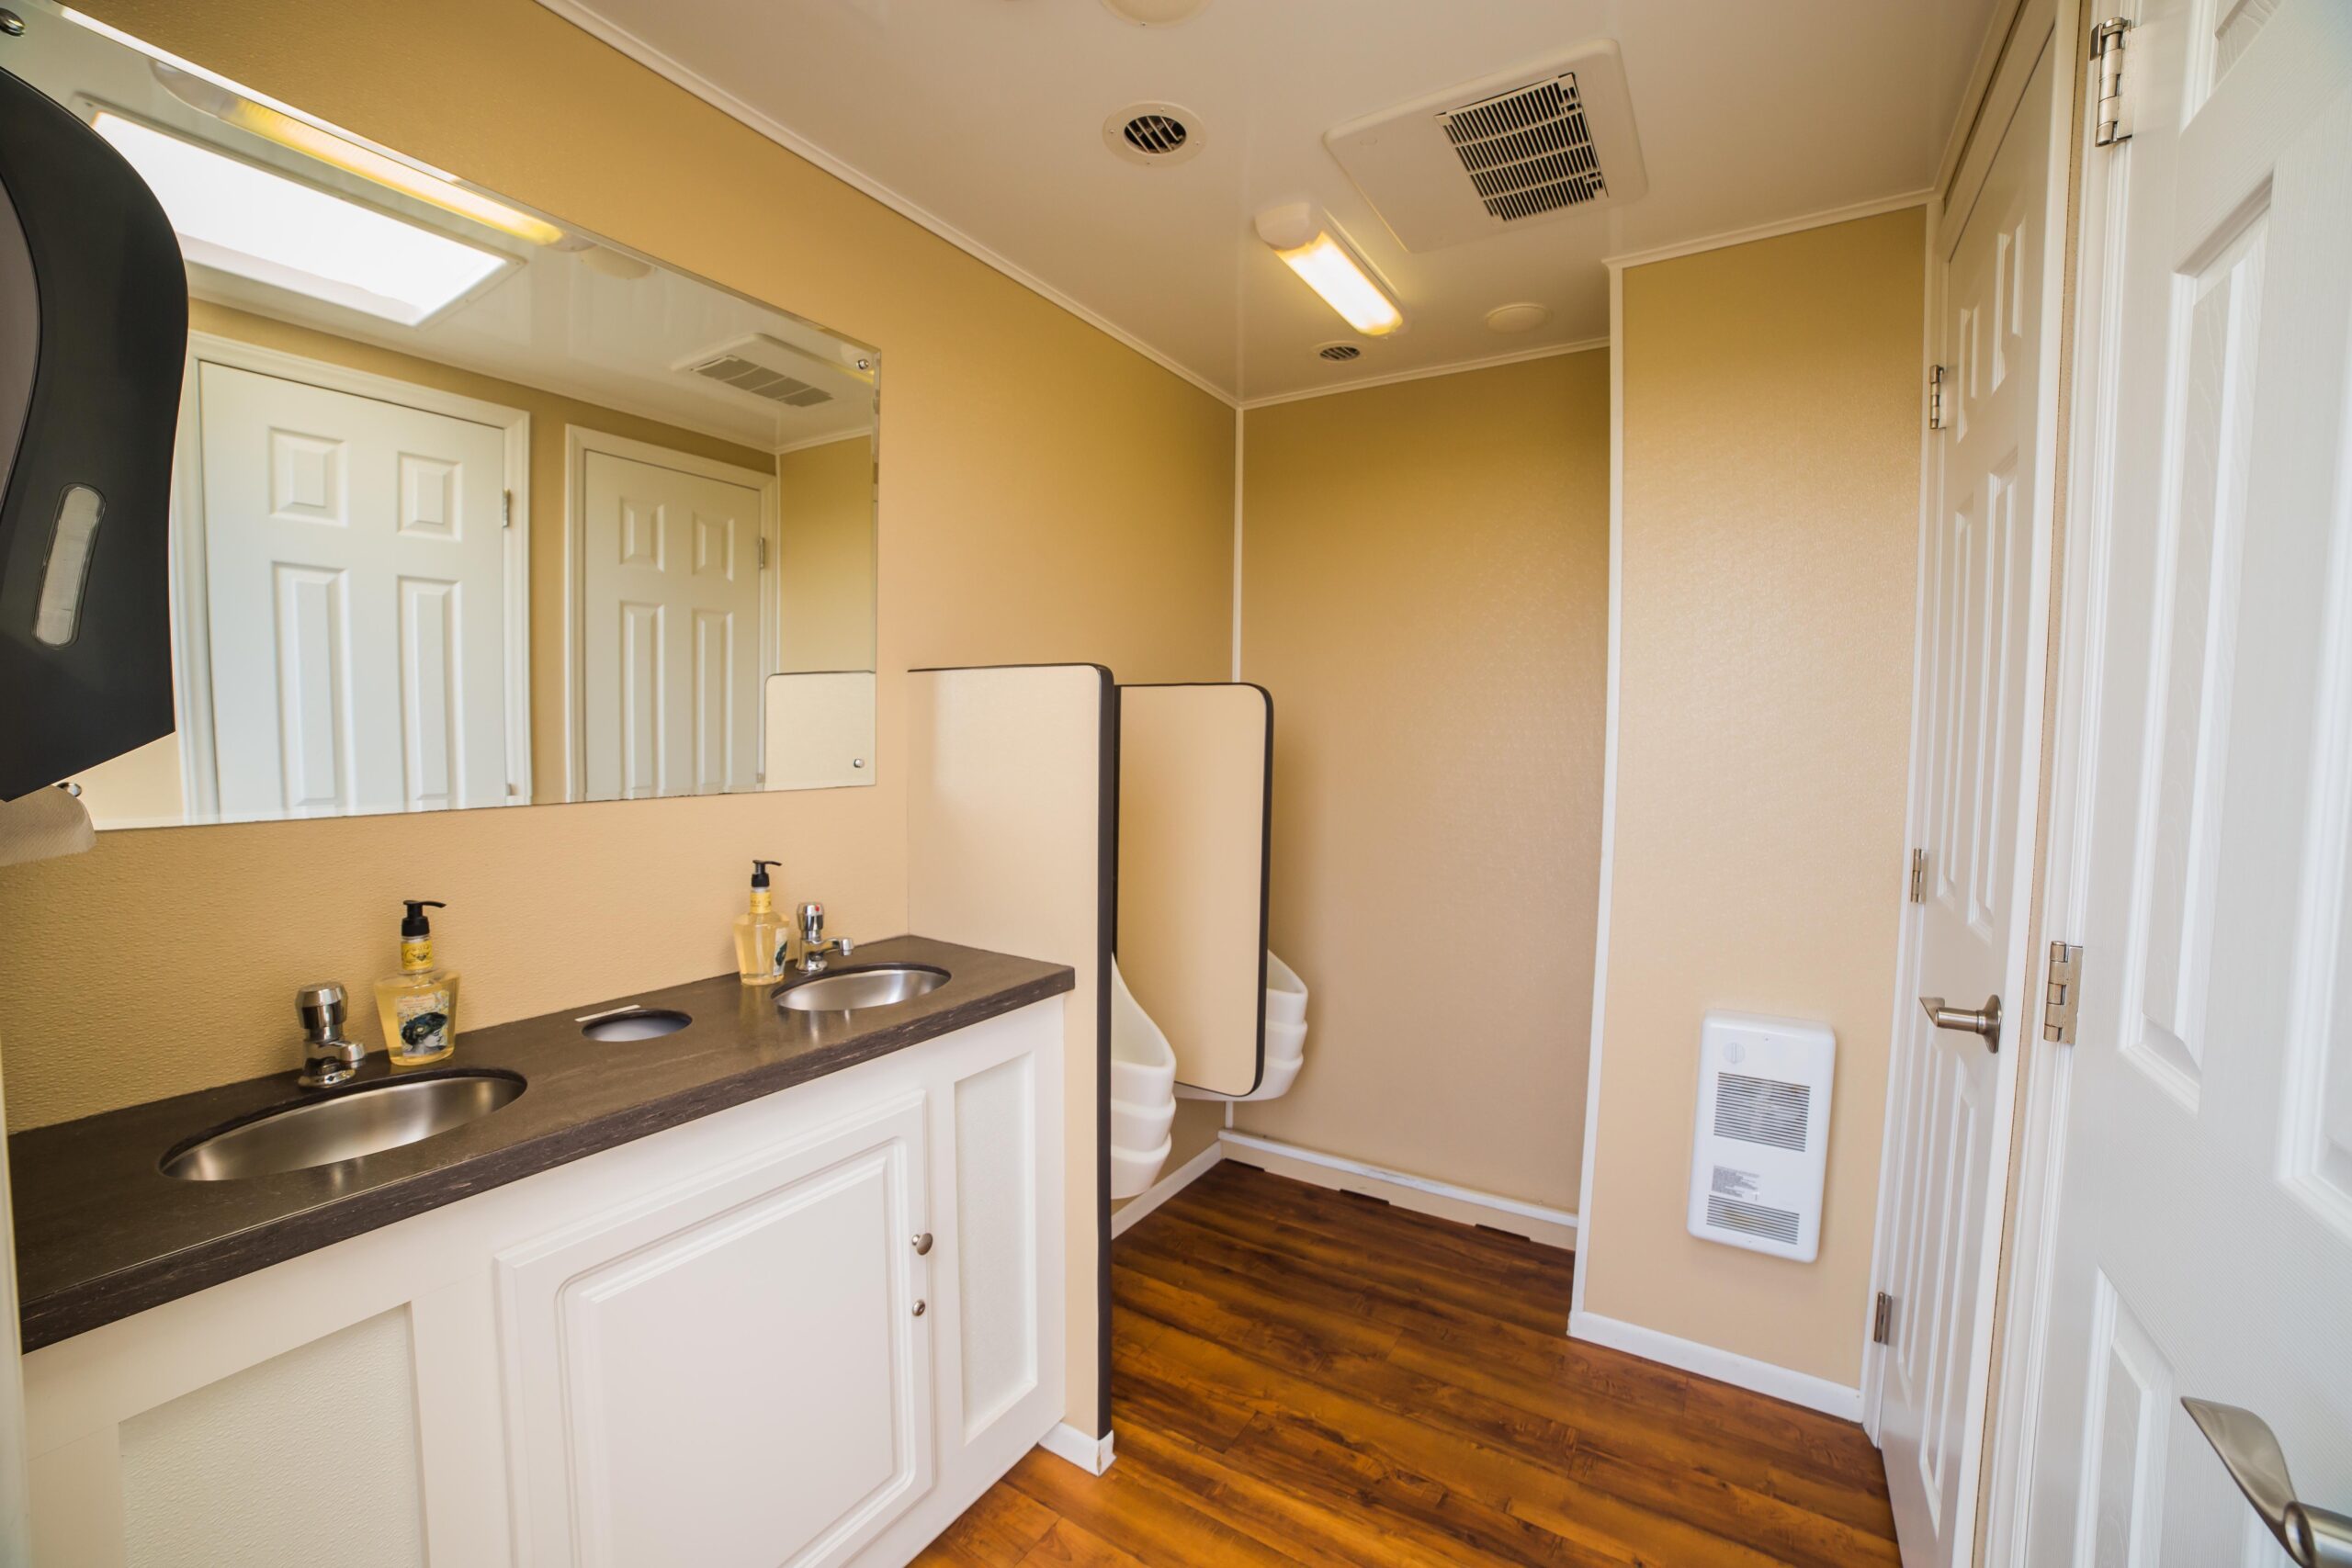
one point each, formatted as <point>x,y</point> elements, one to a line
<point>2202,1174</point>
<point>1971,815</point>
<point>670,629</point>
<point>355,564</point>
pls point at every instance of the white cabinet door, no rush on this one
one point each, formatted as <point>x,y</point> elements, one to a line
<point>669,630</point>
<point>356,568</point>
<point>732,1371</point>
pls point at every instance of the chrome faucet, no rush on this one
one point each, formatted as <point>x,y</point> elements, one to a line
<point>813,945</point>
<point>327,1057</point>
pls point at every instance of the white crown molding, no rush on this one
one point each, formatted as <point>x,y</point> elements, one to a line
<point>838,436</point>
<point>1872,208</point>
<point>726,103</point>
<point>1456,368</point>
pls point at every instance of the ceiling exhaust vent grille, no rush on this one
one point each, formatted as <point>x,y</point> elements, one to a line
<point>1550,138</point>
<point>759,381</point>
<point>1153,133</point>
<point>1528,152</point>
<point>1340,352</point>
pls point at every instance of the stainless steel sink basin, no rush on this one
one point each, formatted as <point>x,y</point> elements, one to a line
<point>879,986</point>
<point>344,1126</point>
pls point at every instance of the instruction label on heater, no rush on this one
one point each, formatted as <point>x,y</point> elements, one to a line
<point>1730,1183</point>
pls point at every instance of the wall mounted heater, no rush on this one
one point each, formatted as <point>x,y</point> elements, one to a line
<point>1762,1142</point>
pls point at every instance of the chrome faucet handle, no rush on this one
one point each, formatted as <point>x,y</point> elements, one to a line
<point>327,1057</point>
<point>812,923</point>
<point>2314,1537</point>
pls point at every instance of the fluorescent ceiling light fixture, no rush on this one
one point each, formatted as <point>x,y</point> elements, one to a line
<point>254,224</point>
<point>232,108</point>
<point>1308,242</point>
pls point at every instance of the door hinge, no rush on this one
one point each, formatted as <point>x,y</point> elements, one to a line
<point>1934,396</point>
<point>2106,60</point>
<point>1883,1321</point>
<point>1918,876</point>
<point>763,555</point>
<point>2063,994</point>
<point>506,509</point>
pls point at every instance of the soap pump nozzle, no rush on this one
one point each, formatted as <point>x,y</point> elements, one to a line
<point>760,874</point>
<point>414,923</point>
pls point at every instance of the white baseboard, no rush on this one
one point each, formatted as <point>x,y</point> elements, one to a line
<point>1091,1454</point>
<point>1167,1187</point>
<point>1422,1194</point>
<point>1724,1366</point>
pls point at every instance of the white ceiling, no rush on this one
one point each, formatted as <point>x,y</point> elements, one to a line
<point>984,118</point>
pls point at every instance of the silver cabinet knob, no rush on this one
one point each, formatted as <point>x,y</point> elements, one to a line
<point>920,1308</point>
<point>2314,1537</point>
<point>922,1245</point>
<point>1984,1022</point>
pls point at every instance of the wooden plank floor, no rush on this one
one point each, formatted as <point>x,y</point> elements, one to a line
<point>1302,1378</point>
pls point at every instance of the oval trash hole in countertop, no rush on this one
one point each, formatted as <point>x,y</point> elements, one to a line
<point>1143,1093</point>
<point>1285,1037</point>
<point>635,1023</point>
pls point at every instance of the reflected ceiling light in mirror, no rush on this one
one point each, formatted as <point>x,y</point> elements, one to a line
<point>1309,244</point>
<point>257,224</point>
<point>230,107</point>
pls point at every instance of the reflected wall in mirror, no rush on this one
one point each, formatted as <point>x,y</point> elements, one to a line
<point>473,508</point>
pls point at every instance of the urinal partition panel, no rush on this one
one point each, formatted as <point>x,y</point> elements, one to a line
<point>1009,798</point>
<point>1195,803</point>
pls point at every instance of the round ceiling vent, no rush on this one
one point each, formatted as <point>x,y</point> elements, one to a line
<point>1522,318</point>
<point>1152,133</point>
<point>1338,353</point>
<point>1155,13</point>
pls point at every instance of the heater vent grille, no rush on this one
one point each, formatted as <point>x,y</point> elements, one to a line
<point>1752,1219</point>
<point>1762,1110</point>
<point>759,381</point>
<point>1528,152</point>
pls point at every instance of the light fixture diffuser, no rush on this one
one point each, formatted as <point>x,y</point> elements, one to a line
<point>255,223</point>
<point>1308,242</point>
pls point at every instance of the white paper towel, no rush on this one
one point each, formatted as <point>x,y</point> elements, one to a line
<point>42,825</point>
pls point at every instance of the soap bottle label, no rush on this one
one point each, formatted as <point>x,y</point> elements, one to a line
<point>424,1022</point>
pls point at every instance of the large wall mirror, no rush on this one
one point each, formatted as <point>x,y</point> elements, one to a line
<point>473,508</point>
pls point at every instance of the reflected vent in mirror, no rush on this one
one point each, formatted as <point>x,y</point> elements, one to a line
<point>763,367</point>
<point>1761,1111</point>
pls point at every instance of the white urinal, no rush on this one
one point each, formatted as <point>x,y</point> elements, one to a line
<point>1143,1093</point>
<point>1285,1037</point>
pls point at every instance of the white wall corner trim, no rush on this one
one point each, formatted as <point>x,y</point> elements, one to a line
<point>1167,1187</point>
<point>1091,1454</point>
<point>1585,1193</point>
<point>1822,220</point>
<point>1421,1194</point>
<point>1238,422</point>
<point>1456,368</point>
<point>1741,1371</point>
<point>728,104</point>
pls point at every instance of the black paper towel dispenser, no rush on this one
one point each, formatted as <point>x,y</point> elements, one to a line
<point>93,337</point>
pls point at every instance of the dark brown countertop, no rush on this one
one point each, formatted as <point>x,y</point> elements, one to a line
<point>102,1233</point>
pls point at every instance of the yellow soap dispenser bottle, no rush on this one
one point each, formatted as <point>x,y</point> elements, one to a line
<point>761,933</point>
<point>419,1005</point>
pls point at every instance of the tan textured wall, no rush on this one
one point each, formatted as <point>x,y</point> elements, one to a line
<point>1771,526</point>
<point>1425,581</point>
<point>549,412</point>
<point>826,589</point>
<point>1088,519</point>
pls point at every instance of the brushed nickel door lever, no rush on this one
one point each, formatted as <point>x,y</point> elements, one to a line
<point>1984,1022</point>
<point>2314,1537</point>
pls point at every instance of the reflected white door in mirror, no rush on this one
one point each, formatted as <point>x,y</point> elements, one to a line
<point>344,599</point>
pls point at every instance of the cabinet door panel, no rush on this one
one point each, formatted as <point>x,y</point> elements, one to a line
<point>733,1374</point>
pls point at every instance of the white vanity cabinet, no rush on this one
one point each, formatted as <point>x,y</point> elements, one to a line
<point>806,1330</point>
<point>737,1369</point>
